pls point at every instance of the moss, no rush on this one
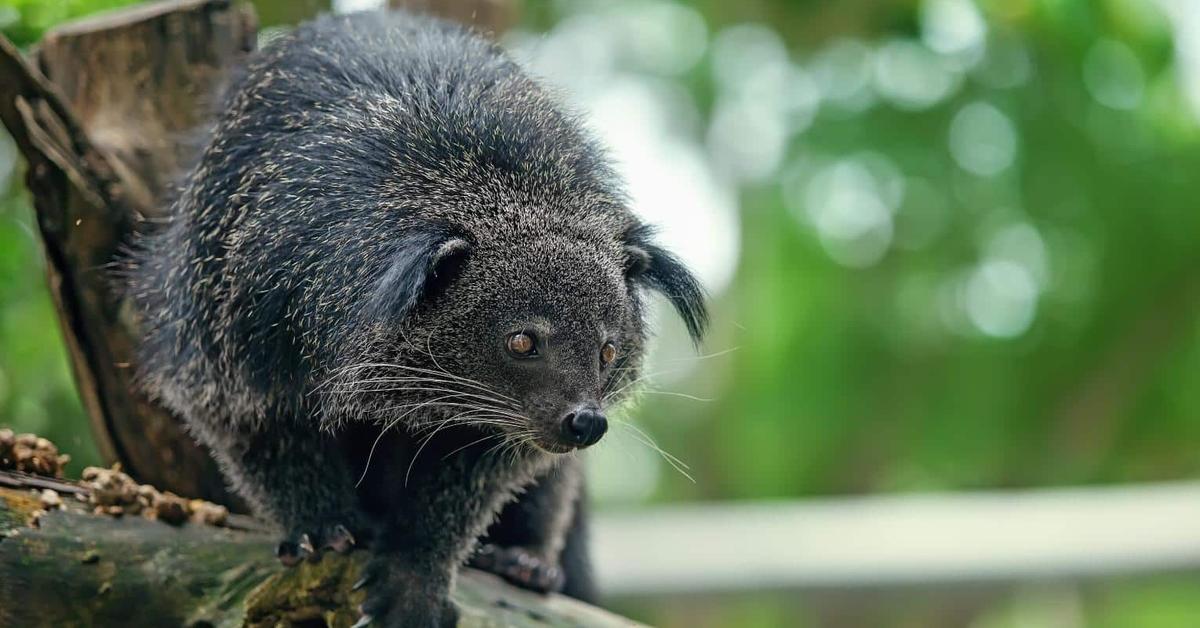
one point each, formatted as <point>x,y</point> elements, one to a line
<point>17,509</point>
<point>313,592</point>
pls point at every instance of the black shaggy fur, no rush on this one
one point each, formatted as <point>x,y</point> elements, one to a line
<point>384,200</point>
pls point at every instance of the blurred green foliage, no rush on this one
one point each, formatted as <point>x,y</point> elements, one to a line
<point>872,377</point>
<point>23,21</point>
<point>1008,298</point>
<point>37,393</point>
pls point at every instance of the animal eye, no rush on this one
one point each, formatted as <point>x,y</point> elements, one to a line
<point>522,345</point>
<point>608,353</point>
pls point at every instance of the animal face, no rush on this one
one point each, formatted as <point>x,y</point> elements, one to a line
<point>558,316</point>
<point>535,337</point>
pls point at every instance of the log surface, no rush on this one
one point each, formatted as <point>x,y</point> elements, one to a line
<point>75,568</point>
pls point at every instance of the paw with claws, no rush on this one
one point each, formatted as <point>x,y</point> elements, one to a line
<point>307,543</point>
<point>519,566</point>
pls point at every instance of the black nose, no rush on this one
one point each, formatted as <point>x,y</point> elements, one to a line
<point>585,426</point>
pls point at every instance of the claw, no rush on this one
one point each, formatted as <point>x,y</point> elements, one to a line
<point>519,567</point>
<point>340,539</point>
<point>306,545</point>
<point>363,621</point>
<point>362,582</point>
<point>288,553</point>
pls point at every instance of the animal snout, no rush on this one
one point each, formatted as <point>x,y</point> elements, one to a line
<point>585,426</point>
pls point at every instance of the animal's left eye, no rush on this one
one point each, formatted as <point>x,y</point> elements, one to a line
<point>522,345</point>
<point>608,353</point>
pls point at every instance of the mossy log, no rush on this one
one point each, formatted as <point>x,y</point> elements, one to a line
<point>69,567</point>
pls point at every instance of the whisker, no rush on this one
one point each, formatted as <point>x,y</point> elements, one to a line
<point>676,394</point>
<point>707,356</point>
<point>439,402</point>
<point>474,442</point>
<point>371,454</point>
<point>425,389</point>
<point>425,442</point>
<point>466,381</point>
<point>645,439</point>
<point>652,442</point>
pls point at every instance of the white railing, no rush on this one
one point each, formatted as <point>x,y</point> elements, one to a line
<point>927,539</point>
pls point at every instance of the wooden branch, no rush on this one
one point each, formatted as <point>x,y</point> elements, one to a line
<point>69,567</point>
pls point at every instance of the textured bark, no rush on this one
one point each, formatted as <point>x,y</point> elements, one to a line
<point>74,568</point>
<point>101,113</point>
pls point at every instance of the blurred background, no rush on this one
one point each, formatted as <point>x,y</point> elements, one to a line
<point>952,245</point>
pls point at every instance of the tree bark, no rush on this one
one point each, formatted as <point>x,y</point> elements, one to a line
<point>101,113</point>
<point>69,567</point>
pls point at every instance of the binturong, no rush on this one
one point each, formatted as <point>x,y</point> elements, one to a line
<point>398,292</point>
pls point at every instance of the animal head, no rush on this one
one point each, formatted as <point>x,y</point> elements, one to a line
<point>530,336</point>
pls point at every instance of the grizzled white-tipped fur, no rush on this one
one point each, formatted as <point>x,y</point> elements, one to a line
<point>384,199</point>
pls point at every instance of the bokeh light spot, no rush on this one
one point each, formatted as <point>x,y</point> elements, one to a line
<point>843,72</point>
<point>954,27</point>
<point>982,139</point>
<point>741,51</point>
<point>662,37</point>
<point>1001,298</point>
<point>1022,244</point>
<point>1113,75</point>
<point>911,77</point>
<point>853,222</point>
<point>350,6</point>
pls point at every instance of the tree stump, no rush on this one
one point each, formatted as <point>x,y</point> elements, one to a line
<point>102,113</point>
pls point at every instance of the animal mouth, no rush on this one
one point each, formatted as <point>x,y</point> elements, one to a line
<point>554,447</point>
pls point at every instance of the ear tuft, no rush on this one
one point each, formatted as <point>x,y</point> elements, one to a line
<point>425,261</point>
<point>656,268</point>
<point>637,261</point>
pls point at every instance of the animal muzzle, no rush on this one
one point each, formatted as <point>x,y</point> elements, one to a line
<point>584,426</point>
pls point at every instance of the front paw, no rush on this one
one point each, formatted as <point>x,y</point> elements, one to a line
<point>305,542</point>
<point>519,566</point>
<point>401,597</point>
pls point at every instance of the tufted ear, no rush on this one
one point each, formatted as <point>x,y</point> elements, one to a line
<point>425,261</point>
<point>652,266</point>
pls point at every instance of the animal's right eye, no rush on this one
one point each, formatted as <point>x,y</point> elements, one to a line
<point>522,345</point>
